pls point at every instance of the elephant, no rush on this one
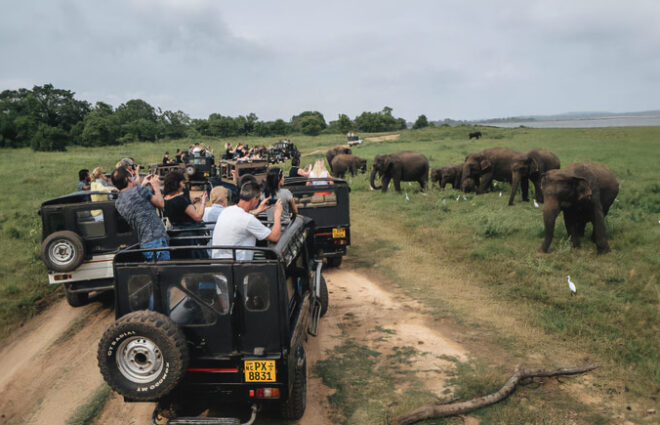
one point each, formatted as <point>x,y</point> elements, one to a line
<point>584,191</point>
<point>476,135</point>
<point>488,165</point>
<point>400,166</point>
<point>332,152</point>
<point>447,174</point>
<point>531,167</point>
<point>343,162</point>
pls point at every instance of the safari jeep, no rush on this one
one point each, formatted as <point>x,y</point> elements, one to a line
<point>328,205</point>
<point>193,334</point>
<point>81,232</point>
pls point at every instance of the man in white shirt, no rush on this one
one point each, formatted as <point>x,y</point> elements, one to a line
<point>237,227</point>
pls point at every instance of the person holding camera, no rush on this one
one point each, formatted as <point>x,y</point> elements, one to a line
<point>237,227</point>
<point>274,191</point>
<point>135,203</point>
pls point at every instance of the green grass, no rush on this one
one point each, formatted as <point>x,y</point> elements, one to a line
<point>86,413</point>
<point>614,317</point>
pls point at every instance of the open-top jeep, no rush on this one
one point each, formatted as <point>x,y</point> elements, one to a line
<point>199,167</point>
<point>191,334</point>
<point>81,232</point>
<point>328,205</point>
<point>281,151</point>
<point>231,171</point>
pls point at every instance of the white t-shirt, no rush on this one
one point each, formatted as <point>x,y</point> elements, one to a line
<point>323,174</point>
<point>238,228</point>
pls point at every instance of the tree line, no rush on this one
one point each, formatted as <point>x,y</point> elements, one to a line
<point>50,119</point>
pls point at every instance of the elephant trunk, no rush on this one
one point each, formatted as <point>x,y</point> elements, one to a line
<point>372,178</point>
<point>550,212</point>
<point>515,182</point>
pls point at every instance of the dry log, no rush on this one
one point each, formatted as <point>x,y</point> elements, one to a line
<point>452,409</point>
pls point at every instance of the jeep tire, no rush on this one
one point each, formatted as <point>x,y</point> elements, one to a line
<point>143,355</point>
<point>334,261</point>
<point>190,170</point>
<point>324,297</point>
<point>76,299</point>
<point>62,251</point>
<point>294,407</point>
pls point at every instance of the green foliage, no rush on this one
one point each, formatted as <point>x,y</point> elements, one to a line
<point>421,122</point>
<point>374,122</point>
<point>49,139</point>
<point>86,413</point>
<point>342,125</point>
<point>310,123</point>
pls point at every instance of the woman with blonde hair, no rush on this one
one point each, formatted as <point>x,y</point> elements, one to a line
<point>319,172</point>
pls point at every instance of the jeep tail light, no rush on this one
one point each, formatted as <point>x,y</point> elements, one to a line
<point>62,277</point>
<point>267,393</point>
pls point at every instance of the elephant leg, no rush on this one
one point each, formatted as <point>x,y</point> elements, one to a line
<point>443,183</point>
<point>457,183</point>
<point>599,236</point>
<point>386,183</point>
<point>422,183</point>
<point>397,184</point>
<point>524,186</point>
<point>581,224</point>
<point>538,194</point>
<point>485,182</point>
<point>571,222</point>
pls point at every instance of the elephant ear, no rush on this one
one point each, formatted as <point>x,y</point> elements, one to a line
<point>485,164</point>
<point>582,188</point>
<point>388,163</point>
<point>534,166</point>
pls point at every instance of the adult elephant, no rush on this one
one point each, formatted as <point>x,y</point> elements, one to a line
<point>333,152</point>
<point>447,174</point>
<point>584,191</point>
<point>476,135</point>
<point>348,162</point>
<point>488,165</point>
<point>401,166</point>
<point>531,166</point>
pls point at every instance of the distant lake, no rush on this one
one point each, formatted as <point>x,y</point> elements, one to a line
<point>609,121</point>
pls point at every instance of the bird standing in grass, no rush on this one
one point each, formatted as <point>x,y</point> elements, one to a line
<point>571,286</point>
<point>536,204</point>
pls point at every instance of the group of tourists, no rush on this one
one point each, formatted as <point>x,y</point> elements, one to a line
<point>242,152</point>
<point>139,198</point>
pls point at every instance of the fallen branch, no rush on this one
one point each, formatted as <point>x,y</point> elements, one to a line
<point>452,409</point>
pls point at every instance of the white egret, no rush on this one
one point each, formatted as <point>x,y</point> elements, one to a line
<point>407,198</point>
<point>571,286</point>
<point>536,204</point>
<point>500,194</point>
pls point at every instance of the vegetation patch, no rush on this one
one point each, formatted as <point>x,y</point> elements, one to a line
<point>86,413</point>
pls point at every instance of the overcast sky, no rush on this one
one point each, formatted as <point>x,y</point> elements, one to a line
<point>457,59</point>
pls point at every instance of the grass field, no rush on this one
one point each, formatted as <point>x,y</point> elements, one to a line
<point>474,261</point>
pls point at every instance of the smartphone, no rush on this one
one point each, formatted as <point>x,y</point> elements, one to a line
<point>271,201</point>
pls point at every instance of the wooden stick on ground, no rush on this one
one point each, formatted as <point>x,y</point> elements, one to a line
<point>452,409</point>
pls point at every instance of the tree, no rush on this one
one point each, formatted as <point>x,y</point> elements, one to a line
<point>421,122</point>
<point>49,138</point>
<point>279,127</point>
<point>100,126</point>
<point>311,126</point>
<point>307,117</point>
<point>342,125</point>
<point>173,124</point>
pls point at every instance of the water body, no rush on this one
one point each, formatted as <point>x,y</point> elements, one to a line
<point>608,121</point>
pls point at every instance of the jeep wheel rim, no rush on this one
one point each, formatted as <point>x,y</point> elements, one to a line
<point>139,359</point>
<point>62,252</point>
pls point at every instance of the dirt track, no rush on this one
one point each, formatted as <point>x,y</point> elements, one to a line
<point>49,365</point>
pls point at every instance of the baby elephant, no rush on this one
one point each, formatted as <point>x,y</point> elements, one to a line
<point>584,191</point>
<point>345,162</point>
<point>447,174</point>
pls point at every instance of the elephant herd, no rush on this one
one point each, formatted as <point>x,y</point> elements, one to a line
<point>583,191</point>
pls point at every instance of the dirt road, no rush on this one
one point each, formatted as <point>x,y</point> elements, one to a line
<point>49,365</point>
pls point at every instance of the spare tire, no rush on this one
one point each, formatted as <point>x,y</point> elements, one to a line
<point>324,297</point>
<point>62,251</point>
<point>190,170</point>
<point>143,355</point>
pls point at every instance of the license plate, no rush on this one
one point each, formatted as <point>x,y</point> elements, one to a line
<point>338,233</point>
<point>259,370</point>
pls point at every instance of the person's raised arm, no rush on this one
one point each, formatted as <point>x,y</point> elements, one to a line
<point>157,199</point>
<point>276,230</point>
<point>196,210</point>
